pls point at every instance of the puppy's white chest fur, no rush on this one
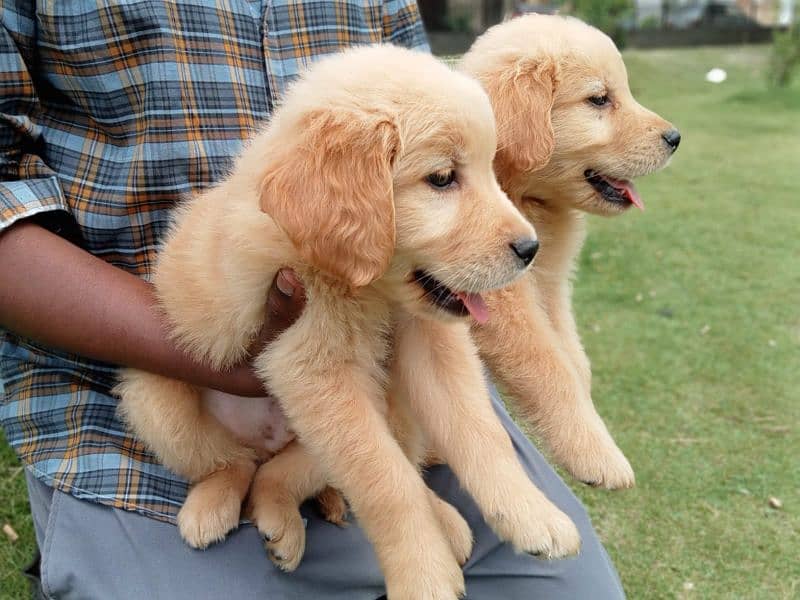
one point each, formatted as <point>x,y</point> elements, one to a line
<point>258,423</point>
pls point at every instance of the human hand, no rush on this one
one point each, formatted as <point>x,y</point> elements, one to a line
<point>286,299</point>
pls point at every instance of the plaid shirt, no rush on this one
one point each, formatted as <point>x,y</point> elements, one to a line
<point>109,112</point>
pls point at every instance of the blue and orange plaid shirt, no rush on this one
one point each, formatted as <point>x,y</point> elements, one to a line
<point>109,112</point>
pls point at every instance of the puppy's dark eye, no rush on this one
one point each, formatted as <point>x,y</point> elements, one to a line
<point>599,100</point>
<point>442,179</point>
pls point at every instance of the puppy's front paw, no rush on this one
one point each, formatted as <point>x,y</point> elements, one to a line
<point>206,518</point>
<point>535,526</point>
<point>454,527</point>
<point>282,528</point>
<point>429,581</point>
<point>593,458</point>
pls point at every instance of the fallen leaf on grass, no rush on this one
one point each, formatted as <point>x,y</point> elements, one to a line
<point>10,533</point>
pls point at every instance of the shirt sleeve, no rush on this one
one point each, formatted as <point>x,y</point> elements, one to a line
<point>28,186</point>
<point>403,26</point>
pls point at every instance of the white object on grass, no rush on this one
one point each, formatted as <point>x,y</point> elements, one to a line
<point>716,75</point>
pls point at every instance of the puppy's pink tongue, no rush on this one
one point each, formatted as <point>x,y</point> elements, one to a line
<point>476,306</point>
<point>630,192</point>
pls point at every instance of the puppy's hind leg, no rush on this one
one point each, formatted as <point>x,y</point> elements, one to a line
<point>168,416</point>
<point>333,507</point>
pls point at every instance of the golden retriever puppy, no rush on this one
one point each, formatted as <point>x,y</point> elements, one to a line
<point>374,182</point>
<point>571,138</point>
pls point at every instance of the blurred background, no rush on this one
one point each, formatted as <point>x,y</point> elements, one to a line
<point>453,24</point>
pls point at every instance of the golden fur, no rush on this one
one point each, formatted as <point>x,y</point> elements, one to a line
<point>335,188</point>
<point>540,72</point>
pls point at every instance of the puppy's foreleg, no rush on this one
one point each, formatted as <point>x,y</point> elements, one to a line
<point>442,376</point>
<point>556,301</point>
<point>327,376</point>
<point>406,429</point>
<point>527,358</point>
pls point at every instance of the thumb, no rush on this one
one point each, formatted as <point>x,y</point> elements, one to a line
<point>286,299</point>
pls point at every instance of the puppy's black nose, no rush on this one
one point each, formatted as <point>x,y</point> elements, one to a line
<point>673,138</point>
<point>525,249</point>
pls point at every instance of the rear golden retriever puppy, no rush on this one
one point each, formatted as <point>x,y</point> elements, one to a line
<point>571,138</point>
<point>374,182</point>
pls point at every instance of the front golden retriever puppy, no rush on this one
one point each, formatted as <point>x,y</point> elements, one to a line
<point>374,182</point>
<point>571,138</point>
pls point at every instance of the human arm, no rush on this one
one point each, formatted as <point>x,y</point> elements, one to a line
<point>59,295</point>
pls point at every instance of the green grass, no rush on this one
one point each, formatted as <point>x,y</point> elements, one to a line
<point>691,315</point>
<point>14,510</point>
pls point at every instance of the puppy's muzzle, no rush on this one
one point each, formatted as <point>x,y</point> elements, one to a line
<point>525,249</point>
<point>673,139</point>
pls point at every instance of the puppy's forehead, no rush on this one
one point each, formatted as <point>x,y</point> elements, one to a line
<point>581,51</point>
<point>462,106</point>
<point>596,54</point>
<point>433,106</point>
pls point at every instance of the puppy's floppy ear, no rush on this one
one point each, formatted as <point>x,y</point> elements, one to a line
<point>521,91</point>
<point>330,190</point>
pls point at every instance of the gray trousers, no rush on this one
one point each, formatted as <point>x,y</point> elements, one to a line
<point>90,551</point>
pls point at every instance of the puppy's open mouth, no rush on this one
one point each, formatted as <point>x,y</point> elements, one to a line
<point>457,303</point>
<point>616,191</point>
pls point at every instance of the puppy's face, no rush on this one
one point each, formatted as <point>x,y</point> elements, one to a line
<point>569,97</point>
<point>389,176</point>
<point>603,137</point>
<point>458,234</point>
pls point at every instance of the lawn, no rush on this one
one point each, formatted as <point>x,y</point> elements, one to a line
<point>690,312</point>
